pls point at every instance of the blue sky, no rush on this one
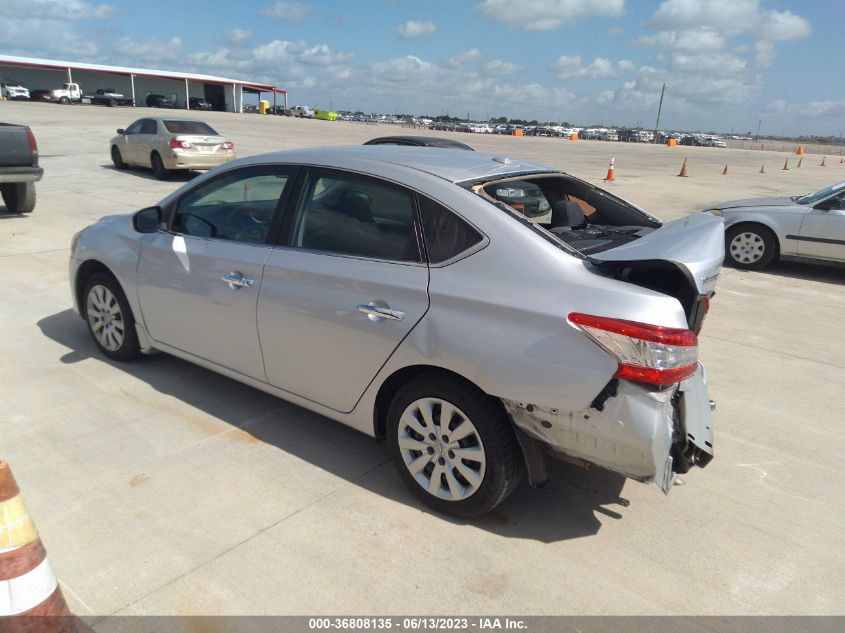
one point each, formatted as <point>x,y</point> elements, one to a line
<point>726,63</point>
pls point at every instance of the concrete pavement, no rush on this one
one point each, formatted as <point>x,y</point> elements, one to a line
<point>162,488</point>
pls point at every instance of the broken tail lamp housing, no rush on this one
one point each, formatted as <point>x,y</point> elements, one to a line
<point>650,354</point>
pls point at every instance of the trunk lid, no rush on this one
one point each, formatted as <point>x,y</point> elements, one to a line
<point>695,244</point>
<point>201,143</point>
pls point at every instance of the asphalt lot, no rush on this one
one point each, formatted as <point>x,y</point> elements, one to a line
<point>162,488</point>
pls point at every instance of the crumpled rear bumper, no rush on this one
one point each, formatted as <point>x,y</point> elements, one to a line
<point>642,433</point>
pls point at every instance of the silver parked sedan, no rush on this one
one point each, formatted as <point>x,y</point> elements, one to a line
<point>390,289</point>
<point>809,227</point>
<point>166,144</point>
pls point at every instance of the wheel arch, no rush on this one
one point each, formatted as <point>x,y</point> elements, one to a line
<point>749,222</point>
<point>394,382</point>
<point>88,268</point>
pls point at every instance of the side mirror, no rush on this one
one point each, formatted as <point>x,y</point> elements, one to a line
<point>147,220</point>
<point>121,131</point>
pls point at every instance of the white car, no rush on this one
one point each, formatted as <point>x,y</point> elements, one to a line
<point>760,230</point>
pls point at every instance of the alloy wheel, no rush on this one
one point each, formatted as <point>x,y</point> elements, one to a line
<point>105,318</point>
<point>442,449</point>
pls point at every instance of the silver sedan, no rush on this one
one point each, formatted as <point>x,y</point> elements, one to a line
<point>395,290</point>
<point>811,227</point>
<point>168,144</point>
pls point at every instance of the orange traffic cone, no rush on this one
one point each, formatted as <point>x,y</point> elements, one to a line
<point>684,169</point>
<point>800,161</point>
<point>785,165</point>
<point>725,170</point>
<point>28,587</point>
<point>610,176</point>
<point>799,151</point>
<point>763,168</point>
<point>824,158</point>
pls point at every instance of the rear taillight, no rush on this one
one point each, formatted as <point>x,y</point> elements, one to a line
<point>646,353</point>
<point>227,145</point>
<point>33,146</point>
<point>176,143</point>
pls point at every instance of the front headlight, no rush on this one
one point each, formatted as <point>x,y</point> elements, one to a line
<point>715,212</point>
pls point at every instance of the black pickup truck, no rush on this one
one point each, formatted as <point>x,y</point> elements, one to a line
<point>19,170</point>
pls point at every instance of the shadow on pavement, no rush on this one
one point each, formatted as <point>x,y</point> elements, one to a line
<point>822,273</point>
<point>565,509</point>
<point>179,175</point>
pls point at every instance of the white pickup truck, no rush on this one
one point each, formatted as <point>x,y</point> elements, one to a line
<point>72,93</point>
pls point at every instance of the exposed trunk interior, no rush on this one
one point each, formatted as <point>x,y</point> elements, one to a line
<point>587,218</point>
<point>593,221</point>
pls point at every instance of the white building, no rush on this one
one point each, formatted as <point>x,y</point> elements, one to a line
<point>224,94</point>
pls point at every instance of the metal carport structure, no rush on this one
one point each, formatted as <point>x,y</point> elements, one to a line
<point>238,86</point>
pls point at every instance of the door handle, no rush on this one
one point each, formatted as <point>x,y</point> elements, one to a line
<point>237,280</point>
<point>374,312</point>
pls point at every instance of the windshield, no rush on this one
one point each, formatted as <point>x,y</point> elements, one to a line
<point>190,127</point>
<point>812,198</point>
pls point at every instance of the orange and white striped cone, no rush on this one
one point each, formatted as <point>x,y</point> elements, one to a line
<point>31,600</point>
<point>785,165</point>
<point>610,175</point>
<point>800,161</point>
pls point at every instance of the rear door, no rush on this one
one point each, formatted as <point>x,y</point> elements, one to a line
<point>139,142</point>
<point>822,232</point>
<point>198,283</point>
<point>343,290</point>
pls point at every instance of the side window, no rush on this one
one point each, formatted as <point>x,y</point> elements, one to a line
<point>148,127</point>
<point>446,235</point>
<point>349,214</point>
<point>135,128</point>
<point>239,206</point>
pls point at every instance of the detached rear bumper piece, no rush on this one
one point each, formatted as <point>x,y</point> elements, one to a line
<point>642,433</point>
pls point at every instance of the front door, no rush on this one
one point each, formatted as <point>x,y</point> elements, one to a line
<point>823,230</point>
<point>198,283</point>
<point>347,287</point>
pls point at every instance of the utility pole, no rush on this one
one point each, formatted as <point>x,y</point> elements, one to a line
<point>759,123</point>
<point>659,108</point>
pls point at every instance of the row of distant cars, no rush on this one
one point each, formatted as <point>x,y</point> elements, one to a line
<point>73,93</point>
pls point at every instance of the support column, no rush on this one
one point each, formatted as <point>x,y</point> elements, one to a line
<point>274,102</point>
<point>187,95</point>
<point>234,99</point>
<point>132,83</point>
<point>69,76</point>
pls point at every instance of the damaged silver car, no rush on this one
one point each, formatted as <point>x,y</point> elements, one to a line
<point>401,291</point>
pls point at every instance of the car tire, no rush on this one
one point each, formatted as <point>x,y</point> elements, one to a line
<point>464,471</point>
<point>750,246</point>
<point>117,158</point>
<point>19,197</point>
<point>64,101</point>
<point>109,318</point>
<point>159,170</point>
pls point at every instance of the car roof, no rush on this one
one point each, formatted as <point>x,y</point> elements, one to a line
<point>423,141</point>
<point>444,163</point>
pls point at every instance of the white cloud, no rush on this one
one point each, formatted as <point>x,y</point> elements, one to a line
<point>471,55</point>
<point>237,36</point>
<point>499,68</point>
<point>781,26</point>
<point>547,15</point>
<point>287,11</point>
<point>570,67</point>
<point>414,29</point>
<point>726,15</point>
<point>55,9</point>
